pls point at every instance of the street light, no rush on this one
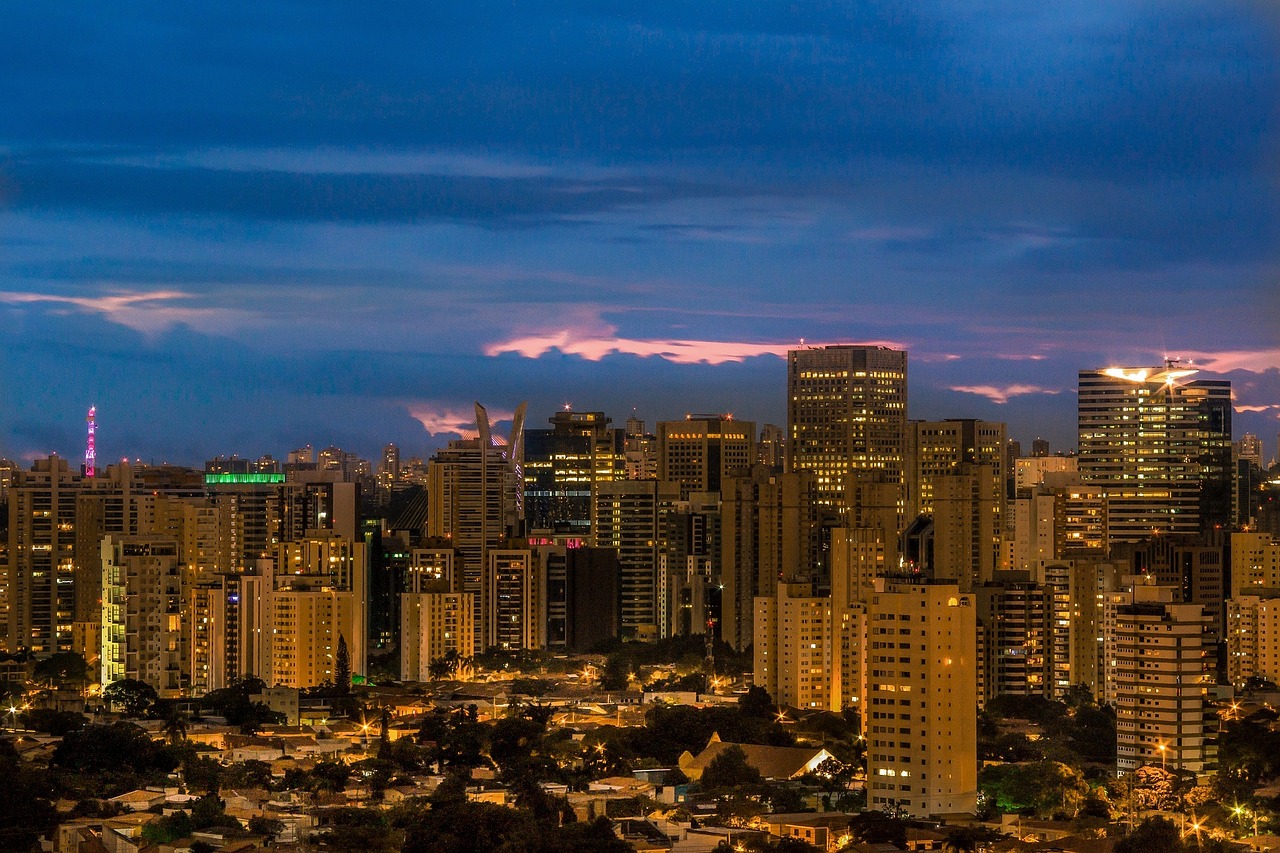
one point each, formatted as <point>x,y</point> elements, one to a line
<point>1164,749</point>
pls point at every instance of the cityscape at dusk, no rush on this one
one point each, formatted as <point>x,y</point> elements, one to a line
<point>772,427</point>
<point>245,230</point>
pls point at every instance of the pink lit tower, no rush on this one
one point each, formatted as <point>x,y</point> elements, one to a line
<point>90,453</point>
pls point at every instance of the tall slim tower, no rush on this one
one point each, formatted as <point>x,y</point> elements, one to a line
<point>846,411</point>
<point>90,449</point>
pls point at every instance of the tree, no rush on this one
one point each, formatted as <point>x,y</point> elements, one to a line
<point>132,697</point>
<point>342,667</point>
<point>1152,834</point>
<point>757,702</point>
<point>62,669</point>
<point>121,745</point>
<point>730,769</point>
<point>175,726</point>
<point>268,827</point>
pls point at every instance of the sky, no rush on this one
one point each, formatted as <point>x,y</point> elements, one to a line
<point>248,227</point>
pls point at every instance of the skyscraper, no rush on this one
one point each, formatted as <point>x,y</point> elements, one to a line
<point>701,451</point>
<point>1159,445</point>
<point>846,411</point>
<point>561,466</point>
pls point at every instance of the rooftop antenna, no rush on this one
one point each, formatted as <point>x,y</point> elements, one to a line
<point>90,452</point>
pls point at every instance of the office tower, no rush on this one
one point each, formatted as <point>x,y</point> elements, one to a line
<point>143,604</point>
<point>563,464</point>
<point>641,451</point>
<point>794,652</point>
<point>1158,444</point>
<point>689,569</point>
<point>701,451</point>
<point>938,449</point>
<point>771,450</point>
<point>512,600</point>
<point>42,514</point>
<point>922,698</point>
<point>1249,448</point>
<point>435,622</point>
<point>1253,638</point>
<point>475,498</point>
<point>1040,447</point>
<point>1016,622</point>
<point>846,411</point>
<point>252,503</point>
<point>1162,671</point>
<point>628,519</point>
<point>771,533</point>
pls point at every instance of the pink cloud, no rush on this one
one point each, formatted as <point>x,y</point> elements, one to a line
<point>148,312</point>
<point>1257,408</point>
<point>450,417</point>
<point>594,347</point>
<point>1002,394</point>
<point>1253,361</point>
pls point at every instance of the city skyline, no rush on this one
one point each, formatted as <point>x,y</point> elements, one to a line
<point>243,231</point>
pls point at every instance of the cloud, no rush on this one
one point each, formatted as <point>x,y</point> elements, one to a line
<point>438,417</point>
<point>1242,409</point>
<point>149,312</point>
<point>1002,394</point>
<point>1252,361</point>
<point>596,347</point>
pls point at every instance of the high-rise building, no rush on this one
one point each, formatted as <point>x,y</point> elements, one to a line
<point>513,602</point>
<point>641,451</point>
<point>475,499</point>
<point>563,464</point>
<point>41,575</point>
<point>771,533</point>
<point>937,449</point>
<point>143,610</point>
<point>1162,671</point>
<point>433,624</point>
<point>1255,563</point>
<point>1159,444</point>
<point>581,590</point>
<point>771,450</point>
<point>689,568</point>
<point>846,411</point>
<point>1016,620</point>
<point>967,525</point>
<point>629,519</point>
<point>1253,638</point>
<point>794,650</point>
<point>702,451</point>
<point>922,699</point>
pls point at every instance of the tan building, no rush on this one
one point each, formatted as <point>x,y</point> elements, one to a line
<point>967,525</point>
<point>309,620</point>
<point>921,711</point>
<point>937,449</point>
<point>770,532</point>
<point>1253,639</point>
<point>1162,670</point>
<point>794,647</point>
<point>432,624</point>
<point>41,567</point>
<point>1255,563</point>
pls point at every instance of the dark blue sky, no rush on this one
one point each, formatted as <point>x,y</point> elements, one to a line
<point>241,229</point>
